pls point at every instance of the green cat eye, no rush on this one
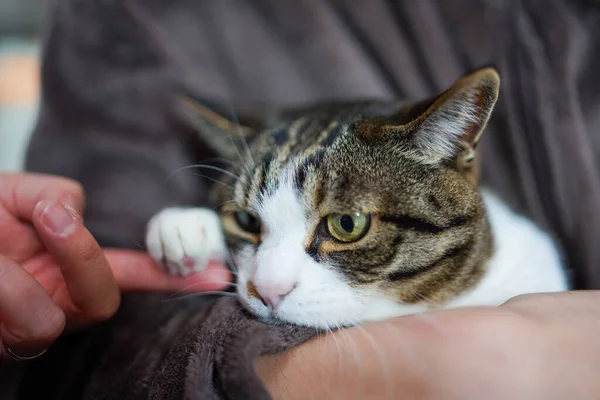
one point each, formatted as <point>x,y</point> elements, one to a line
<point>348,227</point>
<point>247,222</point>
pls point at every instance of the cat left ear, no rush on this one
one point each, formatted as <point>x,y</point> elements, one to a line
<point>452,124</point>
<point>223,135</point>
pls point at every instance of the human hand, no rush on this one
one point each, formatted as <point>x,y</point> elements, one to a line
<point>541,346</point>
<point>53,274</point>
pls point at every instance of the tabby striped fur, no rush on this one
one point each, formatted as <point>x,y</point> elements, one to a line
<point>410,167</point>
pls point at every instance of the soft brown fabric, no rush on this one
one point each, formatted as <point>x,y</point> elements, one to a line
<point>108,120</point>
<point>163,348</point>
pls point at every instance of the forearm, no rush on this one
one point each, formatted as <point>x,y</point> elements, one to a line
<point>373,361</point>
<point>536,346</point>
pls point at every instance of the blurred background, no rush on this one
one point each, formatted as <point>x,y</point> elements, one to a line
<point>20,28</point>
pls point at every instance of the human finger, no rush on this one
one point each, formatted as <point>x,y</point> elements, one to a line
<point>21,192</point>
<point>136,271</point>
<point>30,320</point>
<point>91,285</point>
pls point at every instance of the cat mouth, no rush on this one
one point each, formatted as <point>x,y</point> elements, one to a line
<point>261,311</point>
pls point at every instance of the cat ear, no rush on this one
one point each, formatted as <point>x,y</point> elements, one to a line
<point>451,125</point>
<point>225,136</point>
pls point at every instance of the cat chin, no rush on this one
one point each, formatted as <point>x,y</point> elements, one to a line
<point>328,314</point>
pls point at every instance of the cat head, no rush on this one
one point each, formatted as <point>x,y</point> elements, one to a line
<point>351,212</point>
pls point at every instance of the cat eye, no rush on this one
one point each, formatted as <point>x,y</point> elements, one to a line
<point>348,227</point>
<point>247,222</point>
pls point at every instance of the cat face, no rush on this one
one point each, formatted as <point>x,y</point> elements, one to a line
<point>361,211</point>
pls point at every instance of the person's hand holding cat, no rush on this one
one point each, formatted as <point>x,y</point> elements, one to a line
<point>540,346</point>
<point>54,275</point>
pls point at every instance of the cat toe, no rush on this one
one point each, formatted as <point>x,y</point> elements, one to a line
<point>183,241</point>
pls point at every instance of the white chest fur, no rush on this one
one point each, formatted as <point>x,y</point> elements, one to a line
<point>526,260</point>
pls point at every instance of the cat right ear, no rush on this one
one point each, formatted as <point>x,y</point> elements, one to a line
<point>451,124</point>
<point>226,136</point>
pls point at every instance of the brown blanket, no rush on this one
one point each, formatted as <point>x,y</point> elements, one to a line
<point>107,120</point>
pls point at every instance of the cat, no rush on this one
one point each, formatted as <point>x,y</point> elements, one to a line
<point>352,212</point>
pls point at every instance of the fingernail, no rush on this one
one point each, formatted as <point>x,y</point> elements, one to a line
<point>58,219</point>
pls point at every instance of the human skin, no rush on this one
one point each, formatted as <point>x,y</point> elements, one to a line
<point>533,347</point>
<point>53,274</point>
<point>541,346</point>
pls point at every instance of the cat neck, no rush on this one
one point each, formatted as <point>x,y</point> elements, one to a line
<point>524,259</point>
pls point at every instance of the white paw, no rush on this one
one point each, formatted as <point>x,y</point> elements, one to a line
<point>184,240</point>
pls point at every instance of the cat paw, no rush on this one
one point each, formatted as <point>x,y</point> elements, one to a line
<point>184,240</point>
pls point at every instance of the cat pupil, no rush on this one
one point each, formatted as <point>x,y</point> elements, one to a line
<point>248,222</point>
<point>347,223</point>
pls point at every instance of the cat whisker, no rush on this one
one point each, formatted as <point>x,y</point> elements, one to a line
<point>223,203</point>
<point>233,284</point>
<point>235,119</point>
<point>337,348</point>
<point>426,300</point>
<point>247,166</point>
<point>240,133</point>
<point>224,160</point>
<point>187,288</point>
<point>343,335</point>
<point>247,148</point>
<point>215,180</point>
<point>199,294</point>
<point>385,370</point>
<point>234,266</point>
<point>171,53</point>
<point>206,166</point>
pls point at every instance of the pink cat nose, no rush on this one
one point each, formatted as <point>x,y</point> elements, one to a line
<point>272,295</point>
